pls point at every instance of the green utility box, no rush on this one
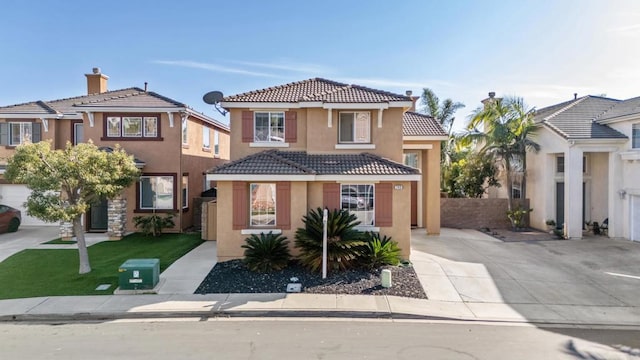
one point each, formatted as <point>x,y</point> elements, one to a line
<point>138,274</point>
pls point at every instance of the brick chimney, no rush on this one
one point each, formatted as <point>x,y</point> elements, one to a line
<point>96,82</point>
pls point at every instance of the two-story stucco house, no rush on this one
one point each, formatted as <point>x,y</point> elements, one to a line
<point>588,168</point>
<point>172,144</point>
<point>320,143</point>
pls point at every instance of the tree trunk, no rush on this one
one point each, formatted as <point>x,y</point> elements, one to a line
<point>83,254</point>
<point>507,165</point>
<point>523,185</point>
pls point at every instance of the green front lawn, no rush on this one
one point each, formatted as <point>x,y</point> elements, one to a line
<point>32,272</point>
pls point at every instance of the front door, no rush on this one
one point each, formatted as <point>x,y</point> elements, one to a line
<point>99,216</point>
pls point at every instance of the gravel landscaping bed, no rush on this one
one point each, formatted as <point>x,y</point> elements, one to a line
<point>233,277</point>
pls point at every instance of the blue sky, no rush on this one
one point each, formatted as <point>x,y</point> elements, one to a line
<point>543,51</point>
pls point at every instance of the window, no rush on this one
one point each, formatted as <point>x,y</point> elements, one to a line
<point>206,138</point>
<point>132,126</point>
<point>355,127</point>
<point>19,133</point>
<point>269,127</point>
<point>156,192</point>
<point>263,204</point>
<point>635,136</point>
<point>560,164</point>
<point>185,137</point>
<point>516,190</point>
<point>216,142</point>
<point>78,133</point>
<point>411,159</point>
<point>359,200</point>
<point>185,191</point>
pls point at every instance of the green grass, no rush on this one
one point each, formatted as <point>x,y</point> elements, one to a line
<point>35,272</point>
<point>59,241</point>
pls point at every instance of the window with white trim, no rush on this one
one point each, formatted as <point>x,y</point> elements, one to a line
<point>185,137</point>
<point>560,164</point>
<point>268,126</point>
<point>132,126</point>
<point>516,190</point>
<point>185,191</point>
<point>156,192</point>
<point>216,142</point>
<point>358,199</point>
<point>635,136</point>
<point>263,204</point>
<point>206,138</point>
<point>20,132</point>
<point>354,127</point>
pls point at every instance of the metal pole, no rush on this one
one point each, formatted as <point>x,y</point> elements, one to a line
<point>325,215</point>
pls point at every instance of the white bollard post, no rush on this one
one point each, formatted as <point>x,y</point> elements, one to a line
<point>385,278</point>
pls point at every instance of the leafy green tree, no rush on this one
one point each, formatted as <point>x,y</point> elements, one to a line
<point>65,182</point>
<point>443,112</point>
<point>504,129</point>
<point>470,174</point>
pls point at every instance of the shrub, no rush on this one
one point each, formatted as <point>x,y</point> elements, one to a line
<point>379,251</point>
<point>344,243</point>
<point>153,224</point>
<point>267,252</point>
<point>517,217</point>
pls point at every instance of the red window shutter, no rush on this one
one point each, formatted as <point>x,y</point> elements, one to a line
<point>247,126</point>
<point>384,204</point>
<point>240,205</point>
<point>331,196</point>
<point>283,205</point>
<point>290,126</point>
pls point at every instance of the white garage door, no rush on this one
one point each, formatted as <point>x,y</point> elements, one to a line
<point>15,196</point>
<point>635,218</point>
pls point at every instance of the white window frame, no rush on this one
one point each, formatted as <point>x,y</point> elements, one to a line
<point>516,186</point>
<point>206,138</point>
<point>26,128</point>
<point>129,120</point>
<point>216,143</point>
<point>111,120</point>
<point>635,136</point>
<point>256,201</point>
<point>75,133</point>
<point>185,191</point>
<point>144,126</point>
<point>185,132</point>
<point>364,204</point>
<point>360,130</point>
<point>154,184</point>
<point>271,138</point>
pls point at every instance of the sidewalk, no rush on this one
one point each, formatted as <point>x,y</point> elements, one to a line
<point>457,290</point>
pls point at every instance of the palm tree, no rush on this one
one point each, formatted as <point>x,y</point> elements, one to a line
<point>441,112</point>
<point>504,129</point>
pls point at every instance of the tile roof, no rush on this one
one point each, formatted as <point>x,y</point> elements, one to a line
<point>415,124</point>
<point>623,108</point>
<point>317,89</point>
<point>576,119</point>
<point>274,162</point>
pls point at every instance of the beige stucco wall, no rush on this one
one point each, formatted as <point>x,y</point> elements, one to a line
<point>305,196</point>
<point>315,136</point>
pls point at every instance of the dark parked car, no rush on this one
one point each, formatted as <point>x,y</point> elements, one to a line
<point>10,219</point>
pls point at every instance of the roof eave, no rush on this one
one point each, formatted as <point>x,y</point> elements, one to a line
<point>620,118</point>
<point>425,138</point>
<point>144,109</point>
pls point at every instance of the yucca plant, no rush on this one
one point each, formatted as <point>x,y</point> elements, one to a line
<point>379,251</point>
<point>344,242</point>
<point>267,252</point>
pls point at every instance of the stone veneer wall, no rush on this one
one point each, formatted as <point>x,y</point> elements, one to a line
<point>462,213</point>
<point>117,210</point>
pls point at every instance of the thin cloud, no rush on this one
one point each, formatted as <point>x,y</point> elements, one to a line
<point>395,83</point>
<point>629,29</point>
<point>212,67</point>
<point>293,67</point>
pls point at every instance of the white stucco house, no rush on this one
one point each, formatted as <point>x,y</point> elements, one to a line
<point>588,168</point>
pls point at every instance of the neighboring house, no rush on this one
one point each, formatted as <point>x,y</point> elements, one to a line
<point>320,143</point>
<point>588,166</point>
<point>172,144</point>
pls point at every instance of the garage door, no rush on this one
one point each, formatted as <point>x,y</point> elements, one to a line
<point>15,196</point>
<point>635,218</point>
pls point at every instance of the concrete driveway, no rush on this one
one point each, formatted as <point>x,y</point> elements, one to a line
<point>26,237</point>
<point>594,275</point>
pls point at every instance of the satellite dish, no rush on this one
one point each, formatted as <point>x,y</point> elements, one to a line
<point>213,97</point>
